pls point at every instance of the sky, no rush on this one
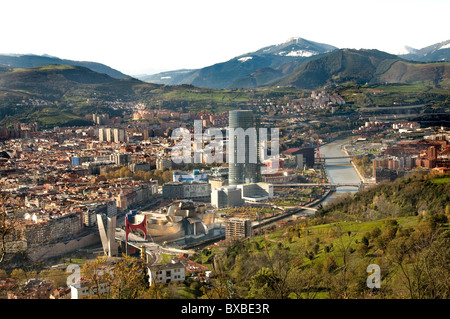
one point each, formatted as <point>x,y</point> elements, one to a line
<point>145,36</point>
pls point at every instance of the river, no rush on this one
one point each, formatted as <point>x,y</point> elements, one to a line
<point>339,170</point>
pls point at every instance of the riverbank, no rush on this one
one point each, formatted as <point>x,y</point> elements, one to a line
<point>361,177</point>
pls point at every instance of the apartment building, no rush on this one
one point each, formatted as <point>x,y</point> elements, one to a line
<point>238,228</point>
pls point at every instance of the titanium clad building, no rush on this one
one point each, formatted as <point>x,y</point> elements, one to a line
<point>243,155</point>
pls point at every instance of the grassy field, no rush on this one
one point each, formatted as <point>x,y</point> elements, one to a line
<point>400,94</point>
<point>441,180</point>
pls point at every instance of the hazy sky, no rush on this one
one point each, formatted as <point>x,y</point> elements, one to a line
<point>137,36</point>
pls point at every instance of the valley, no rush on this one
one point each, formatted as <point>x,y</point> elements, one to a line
<point>81,142</point>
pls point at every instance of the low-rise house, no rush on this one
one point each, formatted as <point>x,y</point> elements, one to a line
<point>86,289</point>
<point>33,289</point>
<point>191,267</point>
<point>61,293</point>
<point>164,274</point>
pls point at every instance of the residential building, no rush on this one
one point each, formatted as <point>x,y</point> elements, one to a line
<point>86,289</point>
<point>164,274</point>
<point>107,134</point>
<point>34,289</point>
<point>121,158</point>
<point>238,228</point>
<point>162,163</point>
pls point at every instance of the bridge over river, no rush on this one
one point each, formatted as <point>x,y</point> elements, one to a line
<point>333,185</point>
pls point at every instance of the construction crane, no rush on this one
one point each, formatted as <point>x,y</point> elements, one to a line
<point>318,150</point>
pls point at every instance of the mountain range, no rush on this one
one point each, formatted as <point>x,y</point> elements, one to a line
<point>296,62</point>
<point>65,95</point>
<point>281,64</point>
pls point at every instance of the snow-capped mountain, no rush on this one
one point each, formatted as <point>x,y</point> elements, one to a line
<point>297,47</point>
<point>250,69</point>
<point>435,52</point>
<point>405,50</point>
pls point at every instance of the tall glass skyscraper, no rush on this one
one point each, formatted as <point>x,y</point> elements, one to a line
<point>243,154</point>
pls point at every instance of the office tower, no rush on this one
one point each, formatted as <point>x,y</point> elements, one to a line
<point>243,154</point>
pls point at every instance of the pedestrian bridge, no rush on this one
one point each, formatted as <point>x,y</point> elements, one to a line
<point>322,159</point>
<point>339,157</point>
<point>320,184</point>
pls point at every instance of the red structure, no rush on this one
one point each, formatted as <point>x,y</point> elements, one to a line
<point>130,225</point>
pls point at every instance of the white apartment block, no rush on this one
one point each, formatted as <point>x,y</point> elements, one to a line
<point>164,274</point>
<point>85,290</point>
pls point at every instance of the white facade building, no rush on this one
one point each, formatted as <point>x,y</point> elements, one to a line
<point>164,274</point>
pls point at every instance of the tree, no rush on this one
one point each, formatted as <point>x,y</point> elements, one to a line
<point>221,287</point>
<point>387,235</point>
<point>8,225</point>
<point>96,274</point>
<point>125,278</point>
<point>329,265</point>
<point>129,279</point>
<point>437,268</point>
<point>342,252</point>
<point>422,258</point>
<point>304,281</point>
<point>5,229</point>
<point>19,275</point>
<point>273,280</point>
<point>362,249</point>
<point>59,277</point>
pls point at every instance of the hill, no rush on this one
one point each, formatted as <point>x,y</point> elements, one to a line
<point>365,66</point>
<point>418,193</point>
<point>62,94</point>
<point>66,95</point>
<point>32,61</point>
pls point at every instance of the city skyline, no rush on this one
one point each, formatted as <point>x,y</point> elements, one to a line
<point>146,37</point>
